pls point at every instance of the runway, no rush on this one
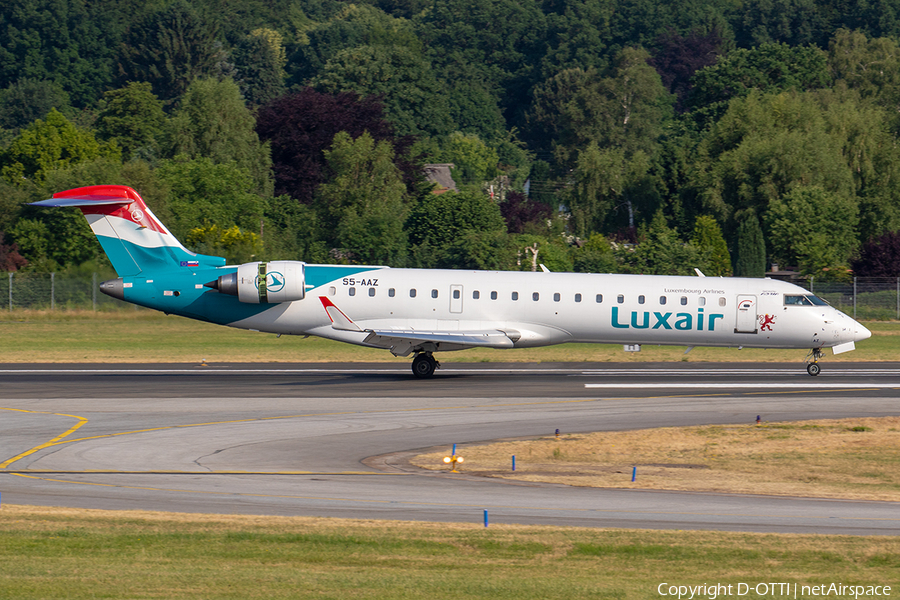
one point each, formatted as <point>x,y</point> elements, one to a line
<point>333,440</point>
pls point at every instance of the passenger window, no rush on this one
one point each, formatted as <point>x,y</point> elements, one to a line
<point>434,294</point>
<point>412,293</point>
<point>702,301</point>
<point>599,298</point>
<point>684,300</point>
<point>352,291</point>
<point>371,292</point>
<point>556,297</point>
<point>640,299</point>
<point>493,295</point>
<point>455,294</point>
<point>620,299</point>
<point>721,301</point>
<point>662,300</point>
<point>577,297</point>
<point>391,292</point>
<point>535,296</point>
<point>515,295</point>
<point>476,295</point>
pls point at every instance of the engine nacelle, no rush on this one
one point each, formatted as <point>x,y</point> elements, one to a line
<point>265,283</point>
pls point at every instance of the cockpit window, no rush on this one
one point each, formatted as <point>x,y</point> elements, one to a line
<point>803,300</point>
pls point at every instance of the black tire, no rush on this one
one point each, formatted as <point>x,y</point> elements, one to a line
<point>423,366</point>
<point>813,369</point>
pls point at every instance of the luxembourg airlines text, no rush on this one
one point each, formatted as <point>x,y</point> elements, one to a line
<point>779,589</point>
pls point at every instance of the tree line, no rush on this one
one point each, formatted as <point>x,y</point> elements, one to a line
<point>586,135</point>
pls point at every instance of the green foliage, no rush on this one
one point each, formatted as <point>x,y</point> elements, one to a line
<point>595,256</point>
<point>624,110</point>
<point>170,47</point>
<point>441,222</point>
<point>660,251</point>
<point>475,162</point>
<point>533,251</point>
<point>292,231</point>
<point>708,240</point>
<point>204,192</point>
<point>213,122</point>
<point>363,204</point>
<point>27,100</point>
<point>814,229</point>
<point>770,67</point>
<point>235,245</point>
<point>48,144</point>
<point>259,59</point>
<point>750,254</point>
<point>133,118</point>
<point>413,99</point>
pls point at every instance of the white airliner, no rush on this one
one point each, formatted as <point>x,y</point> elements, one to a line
<point>423,311</point>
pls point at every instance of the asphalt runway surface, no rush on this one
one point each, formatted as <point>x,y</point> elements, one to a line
<point>334,440</point>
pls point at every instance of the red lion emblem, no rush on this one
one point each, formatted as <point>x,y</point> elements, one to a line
<point>765,322</point>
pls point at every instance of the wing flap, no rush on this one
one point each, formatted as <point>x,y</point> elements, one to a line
<point>403,342</point>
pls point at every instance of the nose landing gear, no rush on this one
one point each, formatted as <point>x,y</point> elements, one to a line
<point>812,367</point>
<point>423,365</point>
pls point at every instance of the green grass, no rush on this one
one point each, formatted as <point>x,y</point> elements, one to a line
<point>148,336</point>
<point>73,554</point>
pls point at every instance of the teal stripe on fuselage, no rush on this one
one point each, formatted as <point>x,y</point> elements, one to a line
<point>203,303</point>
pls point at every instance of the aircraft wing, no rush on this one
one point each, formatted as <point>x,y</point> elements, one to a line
<point>402,342</point>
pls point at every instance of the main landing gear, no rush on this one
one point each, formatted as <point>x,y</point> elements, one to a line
<point>423,365</point>
<point>813,367</point>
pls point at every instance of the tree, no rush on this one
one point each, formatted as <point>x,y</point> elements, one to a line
<point>353,26</point>
<point>708,240</point>
<point>234,245</point>
<point>299,127</point>
<point>363,203</point>
<point>624,110</point>
<point>50,144</point>
<point>474,161</point>
<point>72,44</point>
<point>677,58</point>
<point>133,118</point>
<point>171,47</point>
<point>259,59</point>
<point>879,257</point>
<point>595,256</point>
<point>814,229</point>
<point>441,222</point>
<point>660,251</point>
<point>10,259</point>
<point>770,67</point>
<point>205,193</point>
<point>28,100</point>
<point>521,213</point>
<point>212,122</point>
<point>413,99</point>
<point>750,254</point>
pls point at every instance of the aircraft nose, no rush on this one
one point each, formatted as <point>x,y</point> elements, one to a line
<point>860,332</point>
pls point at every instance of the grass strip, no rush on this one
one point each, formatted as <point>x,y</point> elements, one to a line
<point>130,336</point>
<point>74,554</point>
<point>853,458</point>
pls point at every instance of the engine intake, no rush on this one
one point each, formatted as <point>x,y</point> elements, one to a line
<point>264,282</point>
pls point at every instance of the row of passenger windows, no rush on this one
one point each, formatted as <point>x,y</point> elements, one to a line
<point>535,296</point>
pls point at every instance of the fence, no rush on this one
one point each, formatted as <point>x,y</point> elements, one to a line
<point>866,298</point>
<point>44,291</point>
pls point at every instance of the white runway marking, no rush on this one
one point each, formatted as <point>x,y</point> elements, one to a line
<point>743,385</point>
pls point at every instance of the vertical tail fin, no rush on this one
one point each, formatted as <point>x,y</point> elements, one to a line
<point>130,234</point>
